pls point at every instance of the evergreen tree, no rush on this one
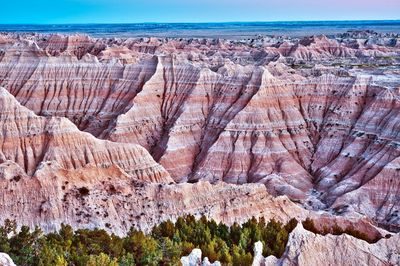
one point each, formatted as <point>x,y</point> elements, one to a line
<point>171,251</point>
<point>101,260</point>
<point>6,230</point>
<point>127,260</point>
<point>60,261</point>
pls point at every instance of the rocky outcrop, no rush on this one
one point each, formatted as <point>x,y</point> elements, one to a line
<point>258,258</point>
<point>5,260</point>
<point>194,259</point>
<point>306,248</point>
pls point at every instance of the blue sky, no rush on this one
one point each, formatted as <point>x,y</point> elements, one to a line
<point>126,11</point>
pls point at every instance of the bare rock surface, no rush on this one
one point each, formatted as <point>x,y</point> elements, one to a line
<point>30,142</point>
<point>307,248</point>
<point>194,259</point>
<point>52,173</point>
<point>5,260</point>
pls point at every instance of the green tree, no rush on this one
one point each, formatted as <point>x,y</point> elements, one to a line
<point>171,251</point>
<point>145,249</point>
<point>127,260</point>
<point>280,244</point>
<point>24,246</point>
<point>235,232</point>
<point>241,257</point>
<point>244,239</point>
<point>200,234</point>
<point>48,255</point>
<point>6,230</point>
<point>60,261</point>
<point>209,250</point>
<point>217,249</point>
<point>165,229</point>
<point>291,225</point>
<point>309,225</point>
<point>223,233</point>
<point>101,260</point>
<point>187,247</point>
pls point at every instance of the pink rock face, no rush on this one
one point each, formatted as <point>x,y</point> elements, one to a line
<point>31,141</point>
<point>315,119</point>
<point>307,248</point>
<point>52,173</point>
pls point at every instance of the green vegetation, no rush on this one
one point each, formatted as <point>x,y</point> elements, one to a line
<point>165,245</point>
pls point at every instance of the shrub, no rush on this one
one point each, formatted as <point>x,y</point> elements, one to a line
<point>83,191</point>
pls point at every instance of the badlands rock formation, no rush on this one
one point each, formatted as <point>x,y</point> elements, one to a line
<point>194,259</point>
<point>103,120</point>
<point>52,173</point>
<point>5,260</point>
<point>306,248</point>
<point>30,143</point>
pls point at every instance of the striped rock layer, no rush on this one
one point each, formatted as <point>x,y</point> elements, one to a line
<point>316,119</point>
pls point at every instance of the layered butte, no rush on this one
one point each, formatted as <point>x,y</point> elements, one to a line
<point>316,119</point>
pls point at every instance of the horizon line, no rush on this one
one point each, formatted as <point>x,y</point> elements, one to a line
<point>208,22</point>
